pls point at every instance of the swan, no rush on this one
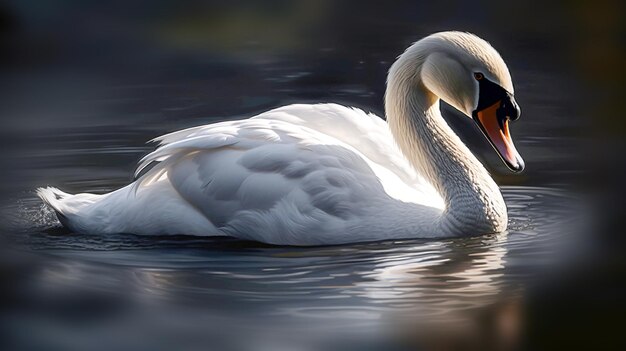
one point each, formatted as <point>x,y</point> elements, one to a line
<point>324,174</point>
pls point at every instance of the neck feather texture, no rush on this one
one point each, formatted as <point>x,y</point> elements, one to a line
<point>473,201</point>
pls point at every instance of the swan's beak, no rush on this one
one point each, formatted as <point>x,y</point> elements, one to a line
<point>494,123</point>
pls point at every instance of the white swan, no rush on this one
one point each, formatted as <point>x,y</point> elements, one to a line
<point>325,173</point>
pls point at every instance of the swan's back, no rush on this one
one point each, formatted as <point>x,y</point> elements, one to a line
<point>364,132</point>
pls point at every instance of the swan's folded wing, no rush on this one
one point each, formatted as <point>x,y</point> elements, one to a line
<point>269,176</point>
<point>365,132</point>
<point>365,137</point>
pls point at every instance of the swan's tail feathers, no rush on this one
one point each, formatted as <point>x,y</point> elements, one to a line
<point>54,197</point>
<point>72,210</point>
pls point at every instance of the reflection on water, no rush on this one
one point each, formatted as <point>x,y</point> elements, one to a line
<point>360,288</point>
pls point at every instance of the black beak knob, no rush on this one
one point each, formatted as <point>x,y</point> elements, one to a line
<point>509,109</point>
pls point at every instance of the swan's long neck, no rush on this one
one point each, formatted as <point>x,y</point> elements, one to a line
<point>473,200</point>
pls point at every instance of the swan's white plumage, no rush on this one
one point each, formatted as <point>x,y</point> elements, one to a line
<point>298,174</point>
<point>278,138</point>
<point>311,174</point>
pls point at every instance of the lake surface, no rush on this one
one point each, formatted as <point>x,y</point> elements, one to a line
<point>80,121</point>
<point>221,288</point>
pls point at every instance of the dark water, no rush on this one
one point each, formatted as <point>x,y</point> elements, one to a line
<point>83,104</point>
<point>195,286</point>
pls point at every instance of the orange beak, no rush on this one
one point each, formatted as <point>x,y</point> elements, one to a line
<point>496,129</point>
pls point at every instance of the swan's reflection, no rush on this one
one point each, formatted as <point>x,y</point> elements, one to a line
<point>443,277</point>
<point>401,289</point>
<point>424,279</point>
<point>453,291</point>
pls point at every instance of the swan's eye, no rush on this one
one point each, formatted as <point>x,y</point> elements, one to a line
<point>478,76</point>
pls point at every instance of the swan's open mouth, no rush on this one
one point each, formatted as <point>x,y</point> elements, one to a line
<point>494,123</point>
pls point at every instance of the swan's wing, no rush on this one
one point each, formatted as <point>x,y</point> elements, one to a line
<point>365,132</point>
<point>302,167</point>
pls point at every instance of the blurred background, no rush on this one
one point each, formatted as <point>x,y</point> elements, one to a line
<point>84,84</point>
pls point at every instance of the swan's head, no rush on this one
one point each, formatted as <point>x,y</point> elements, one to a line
<point>469,74</point>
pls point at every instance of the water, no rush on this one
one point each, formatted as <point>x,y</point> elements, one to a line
<point>360,289</point>
<point>80,120</point>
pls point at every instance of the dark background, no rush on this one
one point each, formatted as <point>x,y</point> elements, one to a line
<point>111,75</point>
